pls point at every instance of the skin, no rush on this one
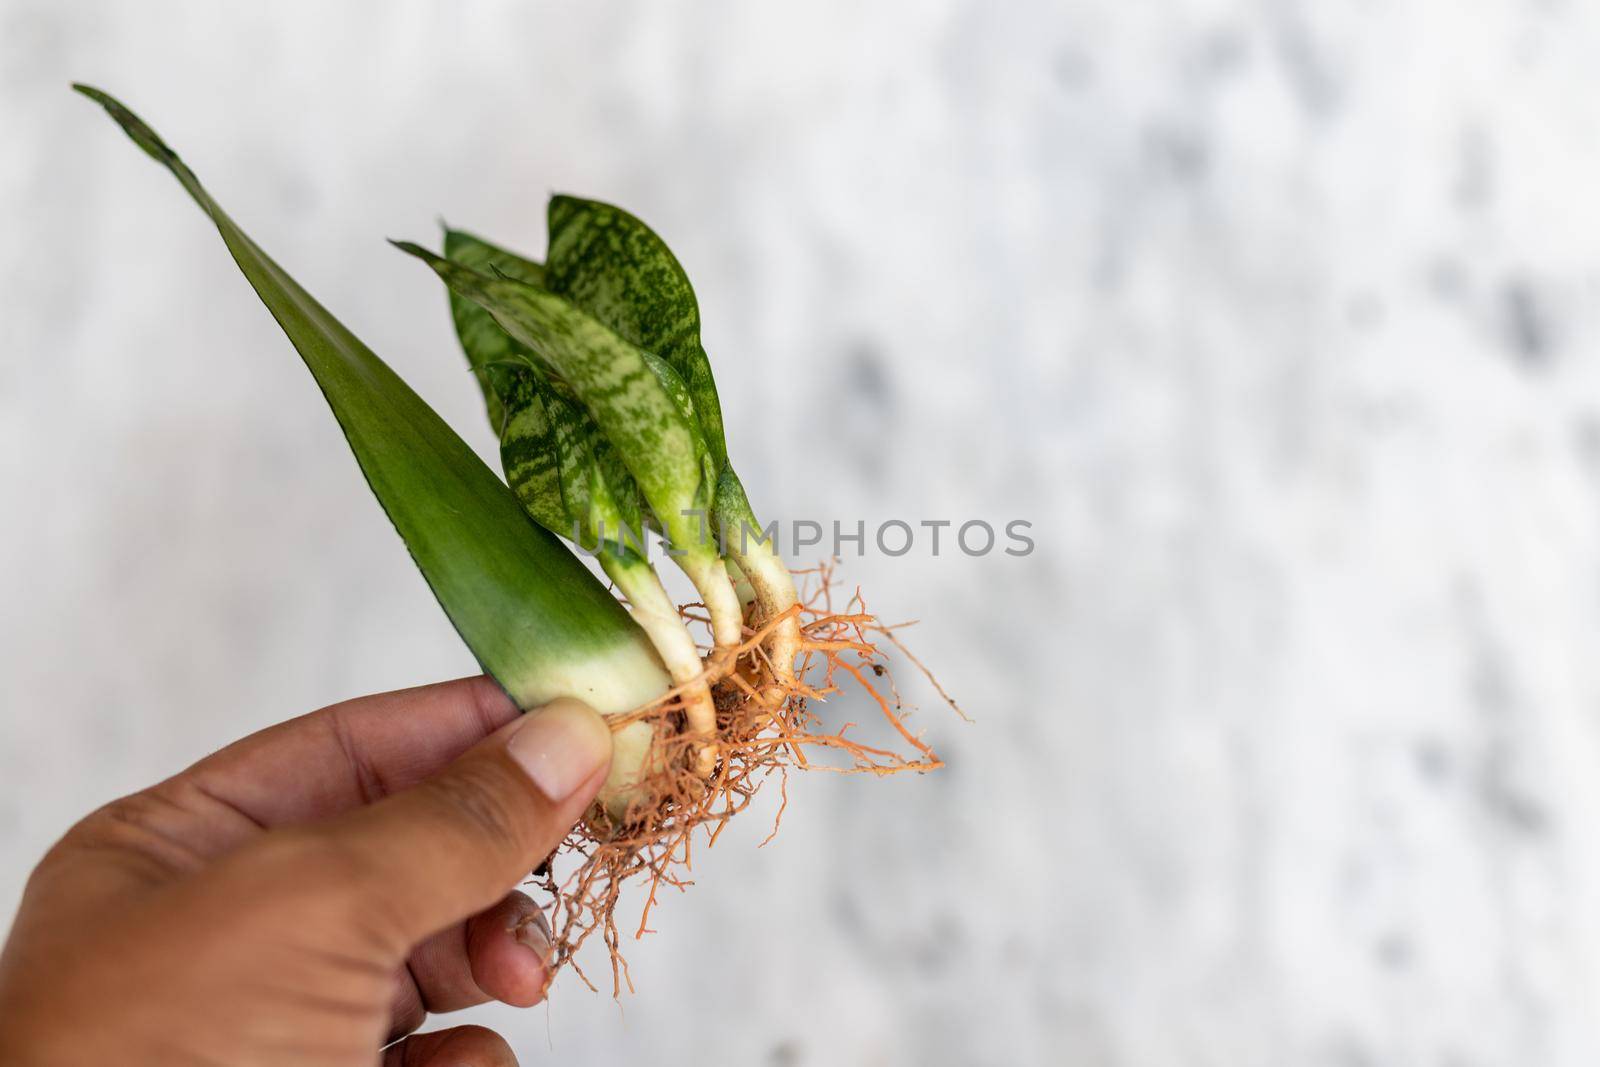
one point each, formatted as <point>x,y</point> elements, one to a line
<point>309,894</point>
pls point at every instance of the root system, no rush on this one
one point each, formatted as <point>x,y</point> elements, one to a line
<point>766,727</point>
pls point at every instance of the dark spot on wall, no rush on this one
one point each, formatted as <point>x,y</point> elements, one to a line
<point>1526,323</point>
<point>939,948</point>
<point>1224,51</point>
<point>1177,152</point>
<point>786,1053</point>
<point>1074,69</point>
<point>846,913</point>
<point>1524,813</point>
<point>861,405</point>
<point>1494,777</point>
<point>1394,951</point>
<point>1433,761</point>
<point>1512,808</point>
<point>869,377</point>
<point>1308,72</point>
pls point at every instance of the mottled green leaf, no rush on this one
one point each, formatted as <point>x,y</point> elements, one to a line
<point>614,382</point>
<point>528,448</point>
<point>486,345</point>
<point>611,265</point>
<point>684,402</point>
<point>555,457</point>
<point>599,495</point>
<point>534,617</point>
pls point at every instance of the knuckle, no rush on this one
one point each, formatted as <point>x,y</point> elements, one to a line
<point>134,814</point>
<point>144,829</point>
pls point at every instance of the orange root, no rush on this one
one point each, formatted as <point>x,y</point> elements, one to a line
<point>765,726</point>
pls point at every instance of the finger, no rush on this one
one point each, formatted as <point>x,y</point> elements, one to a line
<point>455,844</point>
<point>463,1046</point>
<point>350,754</point>
<point>317,765</point>
<point>500,954</point>
<point>509,949</point>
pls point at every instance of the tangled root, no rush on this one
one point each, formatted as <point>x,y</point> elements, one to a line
<point>765,728</point>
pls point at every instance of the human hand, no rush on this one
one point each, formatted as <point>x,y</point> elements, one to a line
<point>308,893</point>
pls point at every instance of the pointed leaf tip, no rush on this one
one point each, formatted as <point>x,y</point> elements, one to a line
<point>135,128</point>
<point>532,614</point>
<point>411,248</point>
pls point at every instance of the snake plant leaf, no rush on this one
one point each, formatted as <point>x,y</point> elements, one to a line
<point>614,382</point>
<point>678,391</point>
<point>531,613</point>
<point>611,265</point>
<point>486,345</point>
<point>508,375</point>
<point>528,447</point>
<point>473,251</point>
<point>599,494</point>
<point>555,458</point>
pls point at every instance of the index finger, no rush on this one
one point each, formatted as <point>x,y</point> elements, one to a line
<point>352,753</point>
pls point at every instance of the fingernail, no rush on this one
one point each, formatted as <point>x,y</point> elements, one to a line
<point>535,933</point>
<point>561,746</point>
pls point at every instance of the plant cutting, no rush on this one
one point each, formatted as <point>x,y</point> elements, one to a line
<point>611,436</point>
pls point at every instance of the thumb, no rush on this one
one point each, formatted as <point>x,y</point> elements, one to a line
<point>455,844</point>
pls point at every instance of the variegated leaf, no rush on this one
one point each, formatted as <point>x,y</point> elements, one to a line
<point>486,345</point>
<point>611,265</point>
<point>614,382</point>
<point>554,456</point>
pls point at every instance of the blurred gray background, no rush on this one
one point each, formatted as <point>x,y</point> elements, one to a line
<point>1277,319</point>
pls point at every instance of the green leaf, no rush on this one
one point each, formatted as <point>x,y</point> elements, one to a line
<point>486,345</point>
<point>473,251</point>
<point>534,617</point>
<point>611,265</point>
<point>600,497</point>
<point>555,458</point>
<point>509,377</point>
<point>528,448</point>
<point>613,380</point>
